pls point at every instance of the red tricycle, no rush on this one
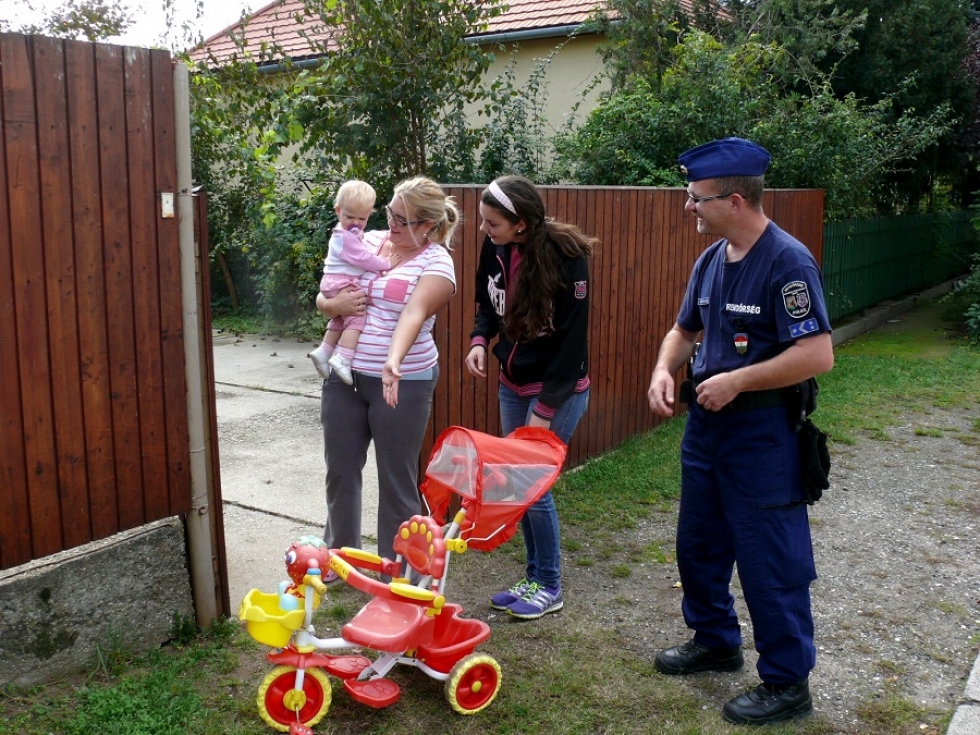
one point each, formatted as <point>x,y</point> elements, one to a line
<point>476,487</point>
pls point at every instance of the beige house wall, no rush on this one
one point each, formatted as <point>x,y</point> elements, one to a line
<point>570,78</point>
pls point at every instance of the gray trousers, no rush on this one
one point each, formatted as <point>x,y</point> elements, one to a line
<point>351,417</point>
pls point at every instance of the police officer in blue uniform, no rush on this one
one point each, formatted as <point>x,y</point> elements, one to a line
<point>755,297</point>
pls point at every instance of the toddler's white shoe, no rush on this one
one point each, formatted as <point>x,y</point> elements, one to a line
<point>320,362</point>
<point>342,367</point>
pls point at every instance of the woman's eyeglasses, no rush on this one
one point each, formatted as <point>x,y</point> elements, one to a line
<point>401,221</point>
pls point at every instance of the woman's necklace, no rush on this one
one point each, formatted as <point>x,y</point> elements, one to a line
<point>416,249</point>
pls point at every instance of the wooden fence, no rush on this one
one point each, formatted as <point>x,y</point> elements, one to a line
<point>93,417</point>
<point>649,244</point>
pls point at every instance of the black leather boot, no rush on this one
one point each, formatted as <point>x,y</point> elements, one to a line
<point>769,703</point>
<point>692,657</point>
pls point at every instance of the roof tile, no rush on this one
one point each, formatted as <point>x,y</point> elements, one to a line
<point>279,22</point>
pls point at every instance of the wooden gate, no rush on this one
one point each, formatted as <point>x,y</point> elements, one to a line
<point>93,417</point>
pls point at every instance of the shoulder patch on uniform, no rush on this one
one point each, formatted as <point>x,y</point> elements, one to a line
<point>800,329</point>
<point>581,289</point>
<point>796,299</point>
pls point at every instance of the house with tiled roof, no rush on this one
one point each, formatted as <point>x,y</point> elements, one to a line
<point>285,23</point>
<point>527,30</point>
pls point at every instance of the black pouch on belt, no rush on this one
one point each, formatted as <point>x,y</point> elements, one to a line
<point>814,455</point>
<point>687,394</point>
<point>814,461</point>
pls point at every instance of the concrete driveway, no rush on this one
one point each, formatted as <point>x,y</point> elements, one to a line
<point>271,456</point>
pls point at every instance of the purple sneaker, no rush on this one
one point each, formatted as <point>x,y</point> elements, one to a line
<point>536,601</point>
<point>503,600</point>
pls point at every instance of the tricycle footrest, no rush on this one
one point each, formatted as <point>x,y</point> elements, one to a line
<point>346,667</point>
<point>375,693</point>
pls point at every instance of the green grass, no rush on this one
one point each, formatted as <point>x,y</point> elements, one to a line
<point>565,673</point>
<point>900,369</point>
<point>244,321</point>
<point>628,483</point>
<point>241,321</point>
<point>893,713</point>
<point>162,693</point>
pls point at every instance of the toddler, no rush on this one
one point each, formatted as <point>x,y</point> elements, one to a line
<point>347,260</point>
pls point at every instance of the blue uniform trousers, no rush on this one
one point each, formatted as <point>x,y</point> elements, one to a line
<point>741,504</point>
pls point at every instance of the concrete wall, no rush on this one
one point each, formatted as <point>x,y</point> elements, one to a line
<point>123,591</point>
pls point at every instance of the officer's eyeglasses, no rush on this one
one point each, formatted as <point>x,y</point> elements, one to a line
<point>697,200</point>
<point>401,221</point>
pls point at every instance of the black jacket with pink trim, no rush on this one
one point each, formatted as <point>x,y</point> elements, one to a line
<point>555,363</point>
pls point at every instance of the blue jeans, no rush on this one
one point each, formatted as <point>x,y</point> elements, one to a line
<point>540,522</point>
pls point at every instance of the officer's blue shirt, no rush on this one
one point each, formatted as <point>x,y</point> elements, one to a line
<point>753,309</point>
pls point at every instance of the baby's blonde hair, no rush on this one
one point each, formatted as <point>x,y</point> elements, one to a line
<point>355,193</point>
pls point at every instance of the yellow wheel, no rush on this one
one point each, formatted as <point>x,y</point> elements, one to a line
<point>473,683</point>
<point>279,701</point>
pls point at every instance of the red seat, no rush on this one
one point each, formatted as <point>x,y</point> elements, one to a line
<point>391,625</point>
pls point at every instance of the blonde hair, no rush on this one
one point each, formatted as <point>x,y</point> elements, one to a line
<point>355,193</point>
<point>427,201</point>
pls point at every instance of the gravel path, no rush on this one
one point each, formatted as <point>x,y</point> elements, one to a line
<point>897,605</point>
<point>897,602</point>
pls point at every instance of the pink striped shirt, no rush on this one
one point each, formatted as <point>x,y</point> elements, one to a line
<point>388,294</point>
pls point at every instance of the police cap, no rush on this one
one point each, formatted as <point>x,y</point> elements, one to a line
<point>725,157</point>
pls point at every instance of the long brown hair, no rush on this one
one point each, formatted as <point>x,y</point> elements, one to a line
<point>539,279</point>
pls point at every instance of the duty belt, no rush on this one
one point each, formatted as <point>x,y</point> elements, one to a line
<point>753,399</point>
<point>760,399</point>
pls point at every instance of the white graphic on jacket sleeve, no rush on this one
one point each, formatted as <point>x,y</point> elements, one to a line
<point>498,297</point>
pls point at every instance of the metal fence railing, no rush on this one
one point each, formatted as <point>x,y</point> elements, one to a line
<point>867,262</point>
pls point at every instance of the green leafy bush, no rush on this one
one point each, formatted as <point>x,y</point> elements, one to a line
<point>962,304</point>
<point>288,254</point>
<point>517,138</point>
<point>843,146</point>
